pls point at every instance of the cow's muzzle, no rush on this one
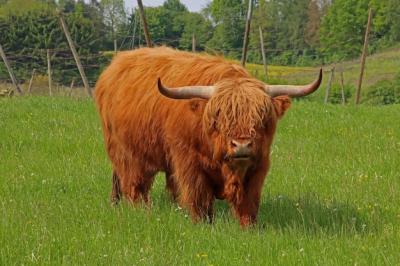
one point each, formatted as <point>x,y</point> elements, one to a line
<point>241,149</point>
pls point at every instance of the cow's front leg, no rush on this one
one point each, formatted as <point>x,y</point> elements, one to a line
<point>116,189</point>
<point>246,210</point>
<point>243,200</point>
<point>197,196</point>
<point>171,186</point>
<point>195,192</point>
<point>202,210</point>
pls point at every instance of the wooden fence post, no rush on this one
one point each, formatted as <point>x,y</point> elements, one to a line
<point>31,81</point>
<point>76,56</point>
<point>144,21</point>
<point>263,52</point>
<point>342,86</point>
<point>72,83</point>
<point>328,87</point>
<point>9,69</point>
<point>363,57</point>
<point>49,70</point>
<point>246,33</point>
<point>71,87</point>
<point>193,43</point>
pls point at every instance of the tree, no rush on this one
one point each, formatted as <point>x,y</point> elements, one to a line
<point>166,23</point>
<point>176,12</point>
<point>229,18</point>
<point>19,7</point>
<point>260,19</point>
<point>158,23</point>
<point>67,6</point>
<point>284,28</point>
<point>175,6</point>
<point>343,27</point>
<point>195,23</point>
<point>313,24</point>
<point>114,17</point>
<point>31,32</point>
<point>387,21</point>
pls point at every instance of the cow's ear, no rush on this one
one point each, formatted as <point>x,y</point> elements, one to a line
<point>281,104</point>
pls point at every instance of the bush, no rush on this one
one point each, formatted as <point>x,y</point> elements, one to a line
<point>3,72</point>
<point>336,93</point>
<point>384,92</point>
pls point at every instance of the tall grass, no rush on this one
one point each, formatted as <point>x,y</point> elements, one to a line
<point>331,198</point>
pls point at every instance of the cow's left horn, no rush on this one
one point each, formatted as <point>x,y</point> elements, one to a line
<point>294,91</point>
<point>187,92</point>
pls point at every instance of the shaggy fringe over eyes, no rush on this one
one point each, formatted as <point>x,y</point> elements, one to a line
<point>238,108</point>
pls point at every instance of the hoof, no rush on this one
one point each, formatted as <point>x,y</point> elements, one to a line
<point>114,202</point>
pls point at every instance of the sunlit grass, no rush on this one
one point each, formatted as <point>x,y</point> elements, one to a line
<point>278,71</point>
<point>331,198</point>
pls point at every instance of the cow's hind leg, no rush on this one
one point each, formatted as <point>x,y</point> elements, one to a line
<point>116,189</point>
<point>139,189</point>
<point>145,186</point>
<point>171,186</point>
<point>136,185</point>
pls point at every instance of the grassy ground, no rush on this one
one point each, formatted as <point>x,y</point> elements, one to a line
<point>331,198</point>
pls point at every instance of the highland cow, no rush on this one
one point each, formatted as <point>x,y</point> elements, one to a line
<point>204,121</point>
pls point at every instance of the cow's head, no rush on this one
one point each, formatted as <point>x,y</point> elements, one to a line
<point>240,116</point>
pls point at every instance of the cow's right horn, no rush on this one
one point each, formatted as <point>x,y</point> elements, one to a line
<point>294,91</point>
<point>186,92</point>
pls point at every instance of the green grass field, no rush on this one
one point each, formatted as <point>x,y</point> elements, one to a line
<point>331,198</point>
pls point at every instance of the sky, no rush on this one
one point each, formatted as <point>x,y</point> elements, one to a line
<point>192,5</point>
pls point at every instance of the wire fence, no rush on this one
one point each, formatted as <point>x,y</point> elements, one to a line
<point>64,74</point>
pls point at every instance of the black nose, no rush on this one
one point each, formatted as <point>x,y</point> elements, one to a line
<point>241,148</point>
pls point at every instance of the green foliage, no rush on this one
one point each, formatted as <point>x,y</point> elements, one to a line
<point>34,31</point>
<point>158,23</point>
<point>289,31</point>
<point>288,21</point>
<point>19,7</point>
<point>384,92</point>
<point>393,19</point>
<point>336,93</point>
<point>229,17</point>
<point>331,197</point>
<point>114,17</point>
<point>166,23</point>
<point>196,24</point>
<point>295,32</point>
<point>176,12</point>
<point>343,28</point>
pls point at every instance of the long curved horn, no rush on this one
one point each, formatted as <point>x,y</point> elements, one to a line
<point>187,92</point>
<point>294,91</point>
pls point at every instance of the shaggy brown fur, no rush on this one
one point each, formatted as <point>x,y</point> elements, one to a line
<point>238,114</point>
<point>146,132</point>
